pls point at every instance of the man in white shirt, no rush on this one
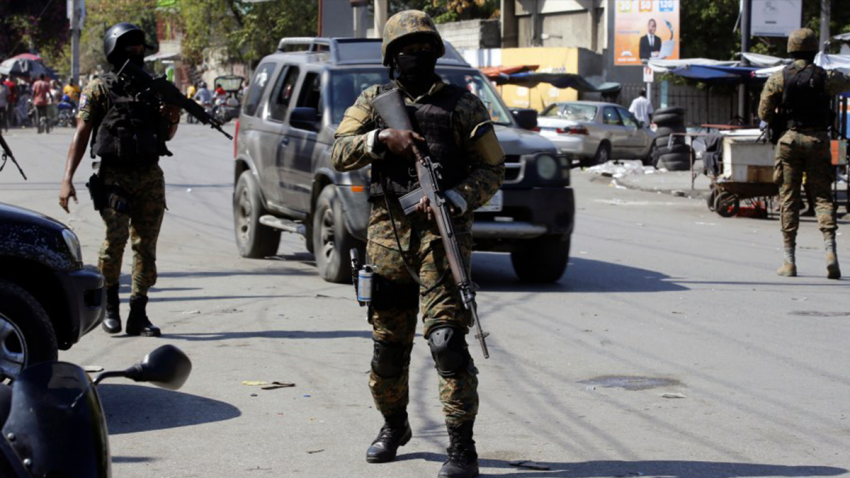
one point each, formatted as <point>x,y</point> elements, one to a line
<point>642,108</point>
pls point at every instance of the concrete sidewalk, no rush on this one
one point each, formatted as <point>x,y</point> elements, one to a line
<point>633,175</point>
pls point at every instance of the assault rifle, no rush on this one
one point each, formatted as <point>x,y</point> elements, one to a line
<point>169,94</point>
<point>7,155</point>
<point>390,107</point>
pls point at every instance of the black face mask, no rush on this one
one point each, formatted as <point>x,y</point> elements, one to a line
<point>417,70</point>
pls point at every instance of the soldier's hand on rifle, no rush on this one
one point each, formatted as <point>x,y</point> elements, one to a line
<point>424,206</point>
<point>400,142</point>
<point>67,191</point>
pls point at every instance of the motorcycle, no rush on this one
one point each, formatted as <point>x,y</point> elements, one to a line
<point>53,422</point>
<point>67,112</point>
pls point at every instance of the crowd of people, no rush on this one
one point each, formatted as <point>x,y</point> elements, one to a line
<point>23,101</point>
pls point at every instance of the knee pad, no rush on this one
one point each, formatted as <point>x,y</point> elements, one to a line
<point>449,350</point>
<point>390,360</point>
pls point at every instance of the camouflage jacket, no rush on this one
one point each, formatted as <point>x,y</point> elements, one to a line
<point>93,101</point>
<point>771,95</point>
<point>354,149</point>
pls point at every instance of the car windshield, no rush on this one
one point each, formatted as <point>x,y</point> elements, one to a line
<point>346,86</point>
<point>571,111</point>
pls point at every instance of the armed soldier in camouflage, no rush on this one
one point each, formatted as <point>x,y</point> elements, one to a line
<point>798,98</point>
<point>129,188</point>
<point>407,251</point>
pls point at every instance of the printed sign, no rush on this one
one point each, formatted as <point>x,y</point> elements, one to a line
<point>776,18</point>
<point>645,29</point>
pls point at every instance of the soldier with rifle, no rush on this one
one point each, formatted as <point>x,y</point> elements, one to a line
<point>413,267</point>
<point>795,103</point>
<point>129,117</point>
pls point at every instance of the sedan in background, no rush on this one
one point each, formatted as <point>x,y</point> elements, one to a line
<point>594,132</point>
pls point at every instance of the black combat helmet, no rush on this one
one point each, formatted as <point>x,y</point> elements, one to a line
<point>120,36</point>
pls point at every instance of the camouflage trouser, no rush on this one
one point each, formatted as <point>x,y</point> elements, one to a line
<point>396,324</point>
<point>145,192</point>
<point>808,153</point>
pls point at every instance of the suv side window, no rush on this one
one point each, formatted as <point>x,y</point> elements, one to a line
<point>258,86</point>
<point>311,92</point>
<point>610,116</point>
<point>282,93</point>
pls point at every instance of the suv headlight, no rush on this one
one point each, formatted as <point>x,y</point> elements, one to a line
<point>547,167</point>
<point>73,244</point>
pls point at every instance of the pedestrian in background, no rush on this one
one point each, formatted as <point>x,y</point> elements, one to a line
<point>41,98</point>
<point>800,96</point>
<point>130,136</point>
<point>4,104</point>
<point>641,107</point>
<point>72,90</point>
<point>11,101</point>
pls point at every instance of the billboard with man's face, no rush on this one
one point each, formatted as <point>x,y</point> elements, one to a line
<point>645,29</point>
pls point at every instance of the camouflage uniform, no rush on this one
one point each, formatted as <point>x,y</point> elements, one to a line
<point>419,242</point>
<point>145,191</point>
<point>802,151</point>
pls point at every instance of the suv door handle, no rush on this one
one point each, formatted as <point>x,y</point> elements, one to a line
<point>284,141</point>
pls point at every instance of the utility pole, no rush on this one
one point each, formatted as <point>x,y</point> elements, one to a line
<point>746,25</point>
<point>825,14</point>
<point>76,12</point>
<point>381,17</point>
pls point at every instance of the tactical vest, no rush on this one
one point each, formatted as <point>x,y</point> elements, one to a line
<point>131,133</point>
<point>805,102</point>
<point>433,120</point>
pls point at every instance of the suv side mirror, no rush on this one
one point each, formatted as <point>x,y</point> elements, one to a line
<point>526,118</point>
<point>305,118</point>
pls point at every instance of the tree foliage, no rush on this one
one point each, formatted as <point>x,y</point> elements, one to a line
<point>707,28</point>
<point>100,16</point>
<point>444,11</point>
<point>39,26</point>
<point>243,31</point>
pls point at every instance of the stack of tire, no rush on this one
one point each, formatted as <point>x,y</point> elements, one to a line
<point>672,155</point>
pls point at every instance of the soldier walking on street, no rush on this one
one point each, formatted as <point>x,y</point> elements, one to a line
<point>406,251</point>
<point>130,131</point>
<point>798,98</point>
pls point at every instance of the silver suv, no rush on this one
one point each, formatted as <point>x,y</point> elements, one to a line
<point>284,180</point>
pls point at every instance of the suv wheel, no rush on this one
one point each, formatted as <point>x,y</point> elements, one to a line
<point>331,239</point>
<point>253,239</point>
<point>26,335</point>
<point>541,260</point>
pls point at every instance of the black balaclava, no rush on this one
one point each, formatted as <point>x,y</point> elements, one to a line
<point>416,71</point>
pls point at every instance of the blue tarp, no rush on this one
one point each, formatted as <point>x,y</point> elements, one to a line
<point>558,80</point>
<point>718,74</point>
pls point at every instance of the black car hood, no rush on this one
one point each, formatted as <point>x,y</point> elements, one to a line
<point>17,215</point>
<point>516,141</point>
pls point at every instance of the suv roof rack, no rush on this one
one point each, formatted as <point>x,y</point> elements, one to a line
<point>321,44</point>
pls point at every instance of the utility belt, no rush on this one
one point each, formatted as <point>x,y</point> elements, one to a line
<point>378,292</point>
<point>108,196</point>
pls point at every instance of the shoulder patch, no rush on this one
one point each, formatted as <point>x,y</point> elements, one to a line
<point>83,100</point>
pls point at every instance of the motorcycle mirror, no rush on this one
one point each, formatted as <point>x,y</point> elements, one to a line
<point>166,367</point>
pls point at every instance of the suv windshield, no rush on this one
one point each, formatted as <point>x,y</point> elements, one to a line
<point>346,86</point>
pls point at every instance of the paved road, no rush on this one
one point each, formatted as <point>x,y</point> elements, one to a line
<point>672,298</point>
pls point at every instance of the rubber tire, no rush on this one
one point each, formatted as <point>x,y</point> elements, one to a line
<point>332,253</point>
<point>603,154</point>
<point>668,120</point>
<point>541,260</point>
<point>20,307</point>
<point>712,196</point>
<point>675,149</point>
<point>661,141</point>
<point>674,162</point>
<point>730,208</point>
<point>664,131</point>
<point>672,110</point>
<point>253,239</point>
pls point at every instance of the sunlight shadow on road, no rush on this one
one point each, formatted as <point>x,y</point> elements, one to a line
<point>274,334</point>
<point>138,408</point>
<point>493,272</point>
<point>668,468</point>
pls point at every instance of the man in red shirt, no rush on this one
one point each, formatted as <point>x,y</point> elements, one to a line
<point>41,97</point>
<point>11,100</point>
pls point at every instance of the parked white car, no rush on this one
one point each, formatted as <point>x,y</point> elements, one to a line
<point>593,132</point>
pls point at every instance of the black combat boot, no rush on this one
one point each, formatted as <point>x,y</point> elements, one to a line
<point>462,461</point>
<point>137,321</point>
<point>112,322</point>
<point>395,433</point>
